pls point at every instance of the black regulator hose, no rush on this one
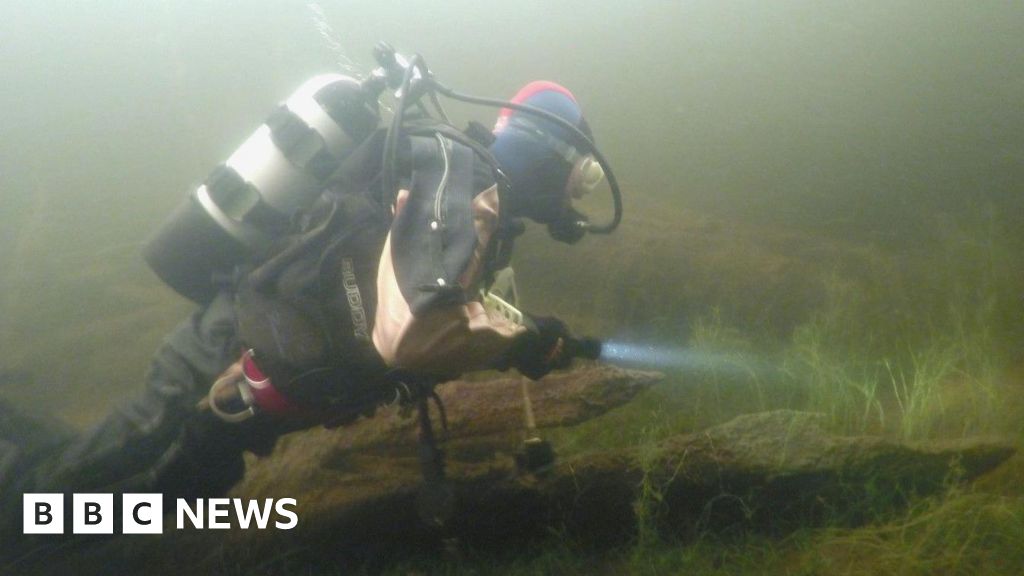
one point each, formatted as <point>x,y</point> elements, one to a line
<point>389,182</point>
<point>431,85</point>
<point>580,140</point>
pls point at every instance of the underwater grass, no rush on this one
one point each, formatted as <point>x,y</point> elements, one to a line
<point>914,351</point>
<point>956,534</point>
<point>959,533</point>
<point>933,364</point>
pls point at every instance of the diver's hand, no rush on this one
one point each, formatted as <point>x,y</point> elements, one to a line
<point>542,348</point>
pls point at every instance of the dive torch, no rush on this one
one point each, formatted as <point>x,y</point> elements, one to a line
<point>585,347</point>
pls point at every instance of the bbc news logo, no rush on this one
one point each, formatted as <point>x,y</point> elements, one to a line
<point>144,514</point>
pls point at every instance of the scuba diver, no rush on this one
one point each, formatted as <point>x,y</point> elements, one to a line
<point>339,266</point>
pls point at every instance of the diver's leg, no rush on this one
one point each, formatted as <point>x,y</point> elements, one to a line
<point>159,442</point>
<point>123,449</point>
<point>136,447</point>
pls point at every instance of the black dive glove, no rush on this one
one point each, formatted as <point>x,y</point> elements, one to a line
<point>541,349</point>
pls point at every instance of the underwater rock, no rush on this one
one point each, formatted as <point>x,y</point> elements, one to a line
<point>780,470</point>
<point>772,471</point>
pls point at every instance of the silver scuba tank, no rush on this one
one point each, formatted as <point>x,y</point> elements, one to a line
<point>249,200</point>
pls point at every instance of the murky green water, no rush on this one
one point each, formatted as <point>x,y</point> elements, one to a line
<point>856,121</point>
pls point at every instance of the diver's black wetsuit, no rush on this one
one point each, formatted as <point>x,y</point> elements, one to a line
<point>159,442</point>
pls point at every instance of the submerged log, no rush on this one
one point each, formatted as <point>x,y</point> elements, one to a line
<point>482,409</point>
<point>485,424</point>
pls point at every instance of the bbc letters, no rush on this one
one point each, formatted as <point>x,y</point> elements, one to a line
<point>144,514</point>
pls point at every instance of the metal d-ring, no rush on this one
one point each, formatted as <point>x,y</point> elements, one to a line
<point>247,398</point>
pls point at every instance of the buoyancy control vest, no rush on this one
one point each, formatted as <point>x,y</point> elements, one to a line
<point>307,312</point>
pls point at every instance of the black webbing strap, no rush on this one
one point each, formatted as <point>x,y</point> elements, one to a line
<point>303,146</point>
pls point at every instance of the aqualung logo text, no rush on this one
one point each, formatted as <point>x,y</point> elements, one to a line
<point>360,327</point>
<point>144,514</point>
